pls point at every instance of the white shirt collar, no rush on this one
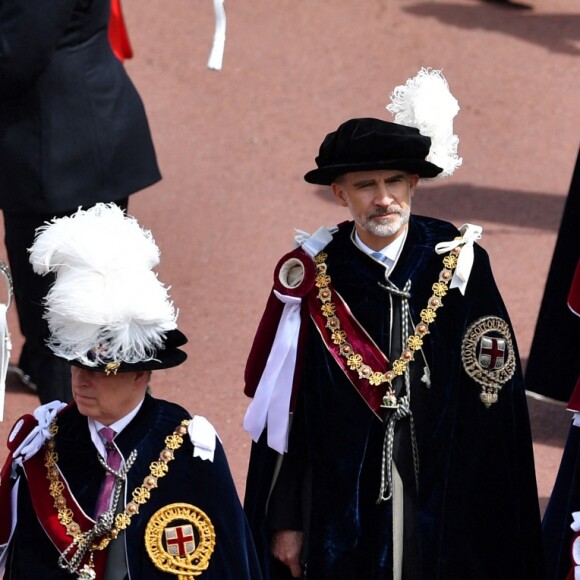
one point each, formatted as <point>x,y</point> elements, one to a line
<point>117,426</point>
<point>391,251</point>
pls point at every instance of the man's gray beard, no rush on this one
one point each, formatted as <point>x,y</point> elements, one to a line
<point>385,230</point>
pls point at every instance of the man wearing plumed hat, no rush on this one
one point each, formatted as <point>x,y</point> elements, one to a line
<point>388,413</point>
<point>118,484</point>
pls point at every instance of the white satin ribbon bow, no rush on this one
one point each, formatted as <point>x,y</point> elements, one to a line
<point>203,436</point>
<point>470,234</point>
<point>314,243</point>
<point>39,434</point>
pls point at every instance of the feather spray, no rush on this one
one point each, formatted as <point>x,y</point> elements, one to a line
<point>426,103</point>
<point>106,304</point>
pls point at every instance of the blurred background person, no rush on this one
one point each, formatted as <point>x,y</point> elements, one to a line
<point>561,522</point>
<point>73,132</point>
<point>557,332</point>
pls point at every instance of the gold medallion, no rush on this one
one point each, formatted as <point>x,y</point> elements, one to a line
<point>180,540</point>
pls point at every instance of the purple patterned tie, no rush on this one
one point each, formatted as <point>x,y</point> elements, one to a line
<point>114,462</point>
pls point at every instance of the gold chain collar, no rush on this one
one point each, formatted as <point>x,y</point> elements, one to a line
<point>140,495</point>
<point>355,360</point>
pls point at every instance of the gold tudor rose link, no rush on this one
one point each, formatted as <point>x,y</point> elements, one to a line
<point>141,495</point>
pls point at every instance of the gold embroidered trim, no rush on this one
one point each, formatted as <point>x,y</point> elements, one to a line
<point>140,494</point>
<point>414,343</point>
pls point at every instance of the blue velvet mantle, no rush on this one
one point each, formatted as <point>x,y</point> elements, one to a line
<point>477,515</point>
<point>204,484</point>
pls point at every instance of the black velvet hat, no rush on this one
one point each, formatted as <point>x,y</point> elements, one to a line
<point>367,144</point>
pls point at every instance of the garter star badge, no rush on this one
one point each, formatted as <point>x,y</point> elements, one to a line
<point>180,540</point>
<point>488,356</point>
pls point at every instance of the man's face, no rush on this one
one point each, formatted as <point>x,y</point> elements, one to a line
<point>379,201</point>
<point>107,398</point>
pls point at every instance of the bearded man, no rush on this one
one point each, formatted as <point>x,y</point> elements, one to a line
<point>389,418</point>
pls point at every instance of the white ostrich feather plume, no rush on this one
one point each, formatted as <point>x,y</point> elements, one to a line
<point>426,103</point>
<point>106,303</point>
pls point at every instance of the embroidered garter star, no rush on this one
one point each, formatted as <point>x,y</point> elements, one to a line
<point>183,548</point>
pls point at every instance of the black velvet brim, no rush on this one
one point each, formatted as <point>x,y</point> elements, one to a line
<point>170,356</point>
<point>327,175</point>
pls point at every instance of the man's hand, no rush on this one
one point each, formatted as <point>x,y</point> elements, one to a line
<point>286,546</point>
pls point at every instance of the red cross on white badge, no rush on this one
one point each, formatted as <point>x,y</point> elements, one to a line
<point>492,352</point>
<point>180,540</point>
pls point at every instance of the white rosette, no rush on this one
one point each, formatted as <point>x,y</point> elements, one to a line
<point>293,279</point>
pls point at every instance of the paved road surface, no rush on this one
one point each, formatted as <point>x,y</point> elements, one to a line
<point>233,146</point>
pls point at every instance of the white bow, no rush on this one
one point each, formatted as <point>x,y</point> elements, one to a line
<point>312,244</point>
<point>39,434</point>
<point>203,436</point>
<point>470,234</point>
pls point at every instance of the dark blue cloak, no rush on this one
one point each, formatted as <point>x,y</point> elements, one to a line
<point>476,511</point>
<point>204,484</point>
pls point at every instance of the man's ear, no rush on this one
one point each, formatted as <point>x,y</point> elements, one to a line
<point>142,378</point>
<point>339,194</point>
<point>413,181</point>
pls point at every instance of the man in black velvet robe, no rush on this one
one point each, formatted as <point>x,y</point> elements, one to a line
<point>423,474</point>
<point>205,484</point>
<point>561,522</point>
<point>172,509</point>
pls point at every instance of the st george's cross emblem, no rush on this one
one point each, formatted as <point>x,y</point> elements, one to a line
<point>488,356</point>
<point>492,352</point>
<point>180,540</point>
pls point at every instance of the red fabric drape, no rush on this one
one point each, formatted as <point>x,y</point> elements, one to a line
<point>118,36</point>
